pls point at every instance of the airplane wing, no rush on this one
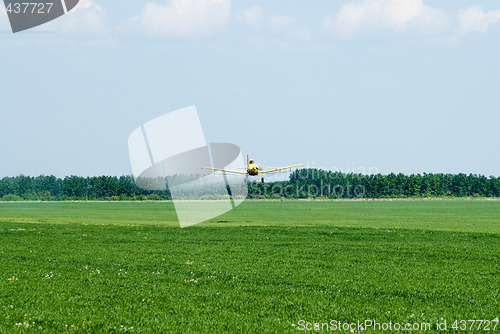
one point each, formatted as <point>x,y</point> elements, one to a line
<point>225,170</point>
<point>280,168</point>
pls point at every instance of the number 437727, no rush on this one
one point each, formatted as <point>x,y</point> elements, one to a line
<point>485,325</point>
<point>29,7</point>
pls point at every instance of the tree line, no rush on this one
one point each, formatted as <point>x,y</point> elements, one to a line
<point>51,188</point>
<point>302,183</point>
<point>316,183</point>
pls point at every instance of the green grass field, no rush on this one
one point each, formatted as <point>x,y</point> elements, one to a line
<point>127,266</point>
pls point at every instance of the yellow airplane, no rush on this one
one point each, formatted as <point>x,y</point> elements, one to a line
<point>253,169</point>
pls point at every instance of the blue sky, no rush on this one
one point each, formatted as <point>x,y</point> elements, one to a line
<point>364,85</point>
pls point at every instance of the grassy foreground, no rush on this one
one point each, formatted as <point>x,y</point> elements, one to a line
<point>116,267</point>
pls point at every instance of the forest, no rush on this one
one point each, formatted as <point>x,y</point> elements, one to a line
<point>302,183</point>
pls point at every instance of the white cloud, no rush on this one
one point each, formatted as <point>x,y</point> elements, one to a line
<point>183,18</point>
<point>474,19</point>
<point>281,21</point>
<point>285,26</point>
<point>277,27</point>
<point>390,15</point>
<point>86,16</point>
<point>252,15</point>
<point>85,4</point>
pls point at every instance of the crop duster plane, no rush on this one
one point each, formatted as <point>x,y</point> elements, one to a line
<point>253,169</point>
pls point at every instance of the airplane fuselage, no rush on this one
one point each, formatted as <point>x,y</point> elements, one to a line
<point>252,169</point>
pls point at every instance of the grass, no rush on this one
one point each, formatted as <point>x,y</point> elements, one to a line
<point>119,267</point>
<point>444,215</point>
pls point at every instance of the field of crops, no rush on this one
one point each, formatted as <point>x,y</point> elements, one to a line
<point>267,266</point>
